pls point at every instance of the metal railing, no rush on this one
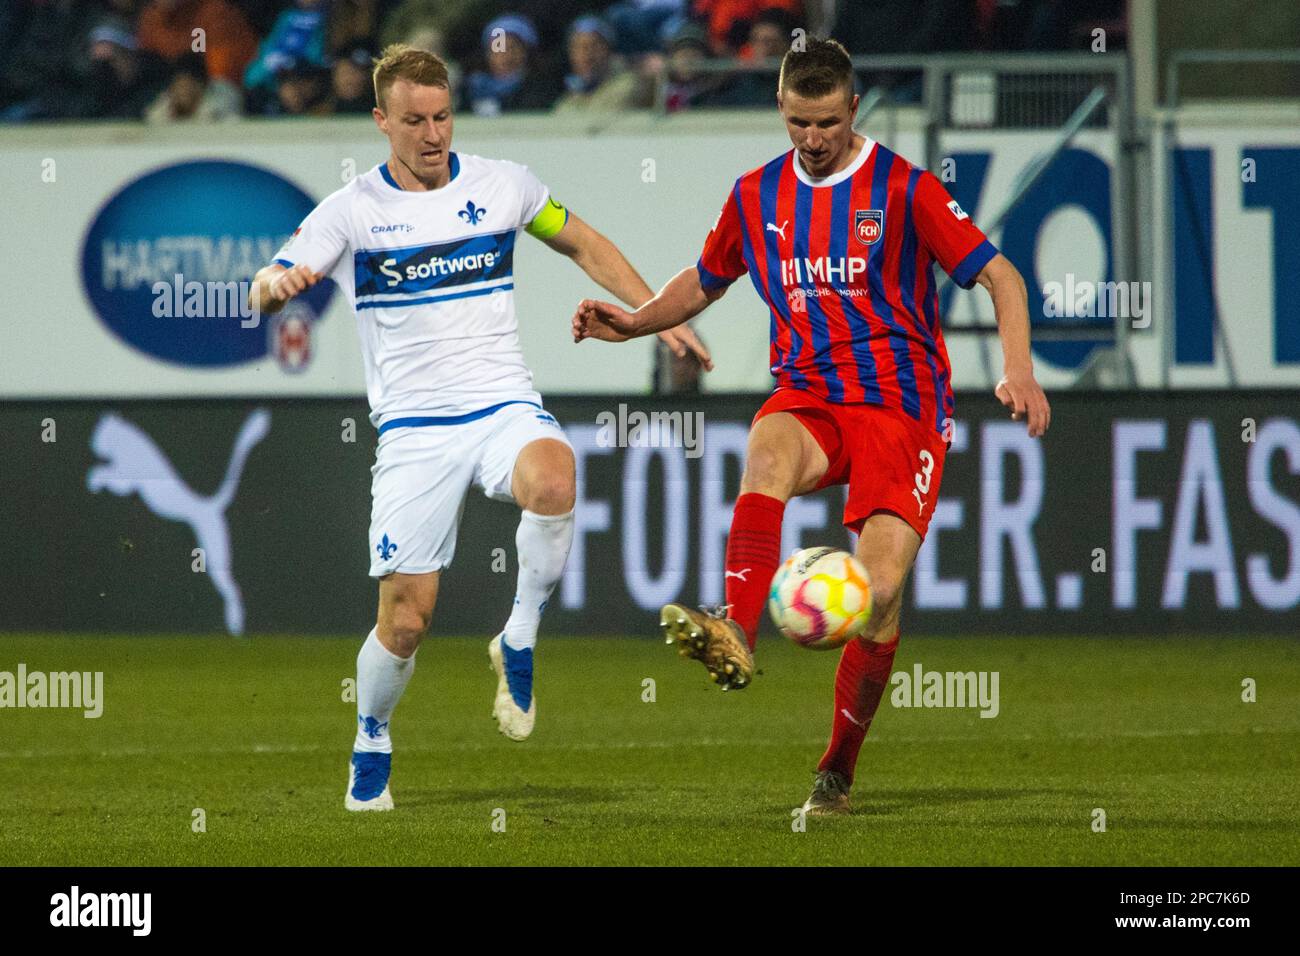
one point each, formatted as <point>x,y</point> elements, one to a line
<point>1179,58</point>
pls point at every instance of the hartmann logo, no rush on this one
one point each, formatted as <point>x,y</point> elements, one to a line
<point>211,223</point>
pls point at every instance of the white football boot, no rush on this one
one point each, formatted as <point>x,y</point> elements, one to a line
<point>515,707</point>
<point>368,782</point>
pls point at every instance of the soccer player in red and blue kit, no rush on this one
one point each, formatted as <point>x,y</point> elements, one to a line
<point>839,236</point>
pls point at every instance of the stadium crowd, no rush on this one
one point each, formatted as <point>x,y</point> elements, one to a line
<point>169,61</point>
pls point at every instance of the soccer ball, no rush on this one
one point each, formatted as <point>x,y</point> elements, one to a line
<point>821,598</point>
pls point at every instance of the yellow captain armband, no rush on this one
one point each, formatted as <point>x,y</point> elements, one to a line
<point>549,221</point>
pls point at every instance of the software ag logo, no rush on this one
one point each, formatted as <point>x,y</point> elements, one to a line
<point>168,260</point>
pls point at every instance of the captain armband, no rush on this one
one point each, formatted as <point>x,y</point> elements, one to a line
<point>549,221</point>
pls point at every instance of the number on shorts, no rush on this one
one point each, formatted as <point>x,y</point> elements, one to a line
<point>923,476</point>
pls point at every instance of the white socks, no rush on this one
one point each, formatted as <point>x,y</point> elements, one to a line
<point>543,543</point>
<point>381,678</point>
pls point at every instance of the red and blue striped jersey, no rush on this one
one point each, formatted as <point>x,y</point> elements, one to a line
<point>845,266</point>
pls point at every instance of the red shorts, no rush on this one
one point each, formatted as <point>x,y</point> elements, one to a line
<point>891,462</point>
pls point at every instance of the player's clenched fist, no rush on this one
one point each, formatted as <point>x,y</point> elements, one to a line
<point>293,281</point>
<point>274,285</point>
<point>602,320</point>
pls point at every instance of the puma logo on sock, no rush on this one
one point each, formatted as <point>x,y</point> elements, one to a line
<point>851,718</point>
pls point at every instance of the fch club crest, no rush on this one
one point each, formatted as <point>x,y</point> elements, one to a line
<point>868,225</point>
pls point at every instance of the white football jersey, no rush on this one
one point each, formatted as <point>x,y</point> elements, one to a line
<point>430,276</point>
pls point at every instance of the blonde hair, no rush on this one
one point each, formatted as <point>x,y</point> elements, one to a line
<point>401,62</point>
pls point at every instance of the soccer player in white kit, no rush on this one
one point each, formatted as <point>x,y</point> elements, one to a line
<point>422,246</point>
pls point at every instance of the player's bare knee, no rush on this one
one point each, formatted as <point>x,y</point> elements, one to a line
<point>544,481</point>
<point>550,494</point>
<point>767,472</point>
<point>886,599</point>
<point>406,624</point>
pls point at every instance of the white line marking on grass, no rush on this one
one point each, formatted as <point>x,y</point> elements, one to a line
<point>277,749</point>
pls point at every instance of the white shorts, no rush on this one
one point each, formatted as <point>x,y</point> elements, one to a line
<point>422,474</point>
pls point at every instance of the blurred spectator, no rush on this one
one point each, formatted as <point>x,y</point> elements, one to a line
<point>228,42</point>
<point>770,35</point>
<point>123,80</point>
<point>685,84</point>
<point>425,25</point>
<point>639,24</point>
<point>42,61</point>
<point>297,37</point>
<point>302,88</point>
<point>728,21</point>
<point>191,96</point>
<point>353,88</point>
<point>355,23</point>
<point>421,16</point>
<point>597,82</point>
<point>509,84</point>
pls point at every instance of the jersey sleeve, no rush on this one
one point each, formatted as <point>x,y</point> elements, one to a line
<point>954,241</point>
<point>533,197</point>
<point>320,241</point>
<point>723,260</point>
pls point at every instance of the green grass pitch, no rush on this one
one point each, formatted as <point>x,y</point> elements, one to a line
<point>256,734</point>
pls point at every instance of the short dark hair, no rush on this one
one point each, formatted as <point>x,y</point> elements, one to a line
<point>821,67</point>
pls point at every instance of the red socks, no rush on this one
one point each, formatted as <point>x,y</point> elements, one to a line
<point>860,683</point>
<point>753,555</point>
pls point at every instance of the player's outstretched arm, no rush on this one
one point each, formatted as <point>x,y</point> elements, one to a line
<point>275,285</point>
<point>679,301</point>
<point>1018,390</point>
<point>608,267</point>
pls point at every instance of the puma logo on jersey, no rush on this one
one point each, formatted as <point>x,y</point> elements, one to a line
<point>771,227</point>
<point>737,574</point>
<point>920,502</point>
